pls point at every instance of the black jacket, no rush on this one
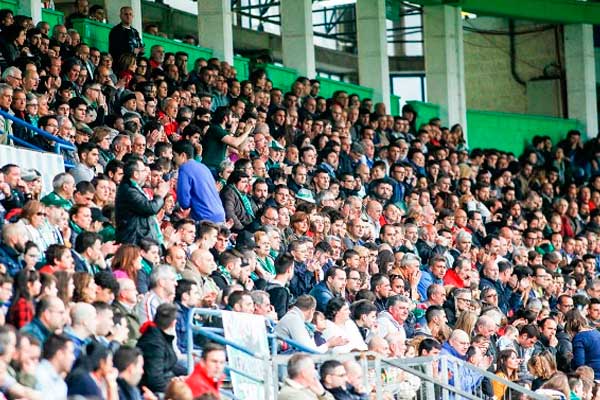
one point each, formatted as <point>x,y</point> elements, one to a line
<point>160,360</point>
<point>234,208</point>
<point>123,40</point>
<point>128,392</point>
<point>135,214</point>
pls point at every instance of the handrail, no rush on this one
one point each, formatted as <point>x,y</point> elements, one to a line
<point>56,139</point>
<point>419,361</point>
<point>22,142</point>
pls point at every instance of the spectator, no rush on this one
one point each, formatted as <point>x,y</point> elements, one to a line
<point>196,186</point>
<point>135,210</point>
<point>58,357</point>
<point>14,238</point>
<point>123,37</point>
<point>302,381</point>
<point>48,319</point>
<point>207,376</point>
<point>130,364</point>
<point>156,344</point>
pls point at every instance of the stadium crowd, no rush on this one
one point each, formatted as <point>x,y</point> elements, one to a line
<point>347,228</point>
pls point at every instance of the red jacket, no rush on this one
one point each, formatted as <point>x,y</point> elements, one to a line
<point>452,279</point>
<point>200,383</point>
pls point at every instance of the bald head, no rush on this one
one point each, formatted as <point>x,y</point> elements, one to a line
<point>379,345</point>
<point>460,341</point>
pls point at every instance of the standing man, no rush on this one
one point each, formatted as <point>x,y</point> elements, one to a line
<point>124,38</point>
<point>135,210</point>
<point>196,187</point>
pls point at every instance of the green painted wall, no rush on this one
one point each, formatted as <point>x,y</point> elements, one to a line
<point>503,131</point>
<point>512,132</point>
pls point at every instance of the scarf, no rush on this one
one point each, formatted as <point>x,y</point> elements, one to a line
<point>154,225</point>
<point>245,202</point>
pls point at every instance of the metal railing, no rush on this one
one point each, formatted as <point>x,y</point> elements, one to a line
<point>59,143</point>
<point>421,378</point>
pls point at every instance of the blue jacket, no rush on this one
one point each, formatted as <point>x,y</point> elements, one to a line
<point>181,327</point>
<point>322,294</point>
<point>196,188</point>
<point>467,378</point>
<point>586,350</point>
<point>10,258</point>
<point>302,281</point>
<point>36,329</point>
<point>427,279</point>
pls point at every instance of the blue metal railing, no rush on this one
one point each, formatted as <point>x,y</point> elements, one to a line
<point>59,143</point>
<point>217,335</point>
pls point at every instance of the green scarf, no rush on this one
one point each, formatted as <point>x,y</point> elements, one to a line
<point>226,274</point>
<point>267,264</point>
<point>245,202</point>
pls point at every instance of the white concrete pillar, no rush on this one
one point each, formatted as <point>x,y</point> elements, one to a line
<point>581,77</point>
<point>373,65</point>
<point>215,29</point>
<point>113,12</point>
<point>297,36</point>
<point>444,63</point>
<point>32,8</point>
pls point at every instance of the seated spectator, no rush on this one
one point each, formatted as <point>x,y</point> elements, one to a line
<point>57,359</point>
<point>302,381</point>
<point>48,319</point>
<point>156,344</point>
<point>207,376</point>
<point>340,324</point>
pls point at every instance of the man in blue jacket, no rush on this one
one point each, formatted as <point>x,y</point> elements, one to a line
<point>196,187</point>
<point>332,285</point>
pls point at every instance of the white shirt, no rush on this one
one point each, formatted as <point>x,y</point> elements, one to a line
<point>348,331</point>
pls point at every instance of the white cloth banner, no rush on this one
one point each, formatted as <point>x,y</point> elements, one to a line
<point>249,331</point>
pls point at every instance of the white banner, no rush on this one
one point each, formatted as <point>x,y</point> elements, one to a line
<point>249,331</point>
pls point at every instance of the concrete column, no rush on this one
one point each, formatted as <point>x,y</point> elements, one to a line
<point>581,79</point>
<point>444,63</point>
<point>215,29</point>
<point>33,8</point>
<point>297,36</point>
<point>113,12</point>
<point>373,65</point>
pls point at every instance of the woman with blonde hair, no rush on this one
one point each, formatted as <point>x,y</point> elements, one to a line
<point>265,267</point>
<point>556,388</point>
<point>33,218</point>
<point>85,288</point>
<point>466,322</point>
<point>542,366</point>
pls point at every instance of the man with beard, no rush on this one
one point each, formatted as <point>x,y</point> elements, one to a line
<point>14,237</point>
<point>260,193</point>
<point>382,190</point>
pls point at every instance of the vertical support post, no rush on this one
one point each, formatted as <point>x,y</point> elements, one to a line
<point>297,36</point>
<point>444,63</point>
<point>215,29</point>
<point>373,63</point>
<point>581,77</point>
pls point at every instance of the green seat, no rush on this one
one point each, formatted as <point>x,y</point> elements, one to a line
<point>282,77</point>
<point>173,46</point>
<point>242,66</point>
<point>10,4</point>
<point>52,17</point>
<point>93,33</point>
<point>329,87</point>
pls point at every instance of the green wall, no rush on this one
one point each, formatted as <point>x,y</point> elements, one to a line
<point>512,132</point>
<point>503,131</point>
